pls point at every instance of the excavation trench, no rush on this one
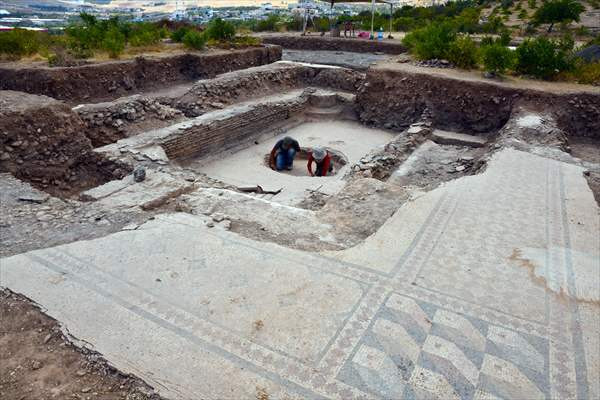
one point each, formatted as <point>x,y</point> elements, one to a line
<point>390,135</point>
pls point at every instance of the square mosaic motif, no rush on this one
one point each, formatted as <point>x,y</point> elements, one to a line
<point>416,350</point>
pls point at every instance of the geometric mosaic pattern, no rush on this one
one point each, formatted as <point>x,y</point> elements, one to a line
<point>452,318</point>
<point>417,350</point>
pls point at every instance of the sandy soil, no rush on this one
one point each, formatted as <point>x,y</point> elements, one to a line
<point>38,362</point>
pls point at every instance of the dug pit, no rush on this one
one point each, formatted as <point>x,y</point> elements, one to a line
<point>338,160</point>
<point>349,140</point>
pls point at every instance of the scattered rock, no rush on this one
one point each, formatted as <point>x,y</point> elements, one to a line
<point>34,197</point>
<point>218,217</point>
<point>139,174</point>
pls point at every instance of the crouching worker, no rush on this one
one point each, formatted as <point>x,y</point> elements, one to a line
<point>283,153</point>
<point>322,159</point>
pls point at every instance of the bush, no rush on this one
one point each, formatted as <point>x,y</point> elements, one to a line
<point>582,31</point>
<point>463,53</point>
<point>542,58</point>
<point>493,25</point>
<point>218,29</point>
<point>114,42</point>
<point>504,38</point>
<point>145,34</point>
<point>432,41</point>
<point>178,34</point>
<point>18,43</point>
<point>587,73</point>
<point>270,24</point>
<point>194,40</point>
<point>531,4</point>
<point>486,41</point>
<point>404,24</point>
<point>468,20</point>
<point>497,58</point>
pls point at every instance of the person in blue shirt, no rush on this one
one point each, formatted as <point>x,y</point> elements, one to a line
<point>283,153</point>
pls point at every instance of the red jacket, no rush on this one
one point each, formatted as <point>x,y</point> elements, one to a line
<point>326,163</point>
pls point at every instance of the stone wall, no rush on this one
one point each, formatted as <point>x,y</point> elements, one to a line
<point>220,134</point>
<point>109,80</point>
<point>110,121</point>
<point>396,98</point>
<point>355,45</point>
<point>234,87</point>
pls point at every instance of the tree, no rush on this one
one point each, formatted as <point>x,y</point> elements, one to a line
<point>556,11</point>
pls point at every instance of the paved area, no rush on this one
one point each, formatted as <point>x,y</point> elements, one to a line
<point>484,288</point>
<point>338,58</point>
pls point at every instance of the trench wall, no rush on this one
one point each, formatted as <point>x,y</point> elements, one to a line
<point>42,141</point>
<point>336,44</point>
<point>111,121</point>
<point>108,80</point>
<point>219,135</point>
<point>396,98</point>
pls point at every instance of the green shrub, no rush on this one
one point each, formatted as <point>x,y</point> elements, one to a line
<point>18,43</point>
<point>269,24</point>
<point>493,25</point>
<point>504,38</point>
<point>587,73</point>
<point>532,4</point>
<point>247,41</point>
<point>522,15</point>
<point>114,42</point>
<point>497,58</point>
<point>194,40</point>
<point>178,34</point>
<point>468,20</point>
<point>542,58</point>
<point>145,34</point>
<point>292,24</point>
<point>463,53</point>
<point>404,24</point>
<point>217,29</point>
<point>431,41</point>
<point>582,31</point>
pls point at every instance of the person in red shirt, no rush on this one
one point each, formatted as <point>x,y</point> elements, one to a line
<point>322,159</point>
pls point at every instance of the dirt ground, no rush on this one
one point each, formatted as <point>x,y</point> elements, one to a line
<point>588,149</point>
<point>38,362</point>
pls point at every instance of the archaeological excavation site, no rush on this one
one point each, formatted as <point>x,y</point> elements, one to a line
<point>153,219</point>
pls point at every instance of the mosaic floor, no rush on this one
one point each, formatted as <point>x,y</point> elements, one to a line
<point>485,288</point>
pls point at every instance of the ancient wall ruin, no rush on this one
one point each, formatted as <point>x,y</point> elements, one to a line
<point>219,134</point>
<point>109,80</point>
